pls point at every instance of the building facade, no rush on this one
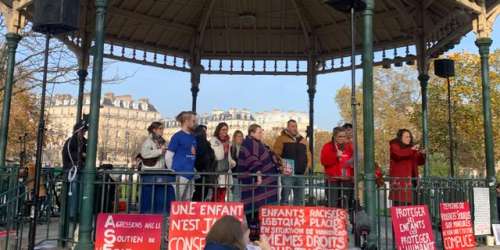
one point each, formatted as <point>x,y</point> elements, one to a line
<point>123,126</point>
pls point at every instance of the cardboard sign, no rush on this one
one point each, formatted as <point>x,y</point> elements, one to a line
<point>412,227</point>
<point>191,221</point>
<point>128,231</point>
<point>482,222</point>
<point>496,233</point>
<point>289,227</point>
<point>456,226</point>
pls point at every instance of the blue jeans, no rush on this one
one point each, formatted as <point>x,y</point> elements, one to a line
<point>295,183</point>
<point>236,190</point>
<point>156,194</point>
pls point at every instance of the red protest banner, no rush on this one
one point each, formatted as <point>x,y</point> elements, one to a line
<point>289,227</point>
<point>128,231</point>
<point>412,228</point>
<point>191,221</point>
<point>456,226</point>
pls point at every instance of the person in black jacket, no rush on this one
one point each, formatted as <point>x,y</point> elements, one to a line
<point>73,155</point>
<point>204,163</point>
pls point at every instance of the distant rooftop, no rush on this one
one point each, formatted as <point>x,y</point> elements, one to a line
<point>109,99</point>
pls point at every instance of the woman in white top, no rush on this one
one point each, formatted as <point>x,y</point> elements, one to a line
<point>221,144</point>
<point>155,192</point>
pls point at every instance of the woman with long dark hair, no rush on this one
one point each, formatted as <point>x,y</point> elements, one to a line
<point>204,165</point>
<point>336,159</point>
<point>406,156</point>
<point>153,176</point>
<point>221,144</point>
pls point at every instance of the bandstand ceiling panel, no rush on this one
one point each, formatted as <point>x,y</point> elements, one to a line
<point>271,30</point>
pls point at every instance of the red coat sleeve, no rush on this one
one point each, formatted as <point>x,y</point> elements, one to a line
<point>398,153</point>
<point>328,156</point>
<point>420,159</point>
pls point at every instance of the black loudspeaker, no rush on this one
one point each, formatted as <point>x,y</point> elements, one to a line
<point>444,68</point>
<point>347,5</point>
<point>56,16</point>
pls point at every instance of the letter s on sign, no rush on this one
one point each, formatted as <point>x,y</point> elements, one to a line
<point>109,237</point>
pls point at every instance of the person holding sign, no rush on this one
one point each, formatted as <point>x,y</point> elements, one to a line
<point>296,160</point>
<point>258,169</point>
<point>403,170</point>
<point>336,158</point>
<point>220,144</point>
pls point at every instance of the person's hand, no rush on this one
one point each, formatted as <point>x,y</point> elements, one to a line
<point>163,148</point>
<point>422,151</point>
<point>416,147</point>
<point>259,178</point>
<point>263,243</point>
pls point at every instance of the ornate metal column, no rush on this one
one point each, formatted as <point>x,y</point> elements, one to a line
<point>311,91</point>
<point>87,207</point>
<point>12,42</point>
<point>195,83</point>
<point>484,44</point>
<point>368,122</point>
<point>82,76</point>
<point>423,78</point>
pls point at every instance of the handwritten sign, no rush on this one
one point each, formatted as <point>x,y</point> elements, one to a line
<point>456,226</point>
<point>289,227</point>
<point>191,221</point>
<point>128,231</point>
<point>412,228</point>
<point>482,222</point>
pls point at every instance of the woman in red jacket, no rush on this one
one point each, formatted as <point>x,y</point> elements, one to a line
<point>336,158</point>
<point>405,159</point>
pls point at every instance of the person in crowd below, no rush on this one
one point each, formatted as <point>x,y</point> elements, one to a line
<point>348,131</point>
<point>258,167</point>
<point>403,169</point>
<point>181,155</point>
<point>335,158</point>
<point>73,156</point>
<point>155,188</point>
<point>205,164</point>
<point>296,160</point>
<point>235,151</point>
<point>228,233</point>
<point>221,144</point>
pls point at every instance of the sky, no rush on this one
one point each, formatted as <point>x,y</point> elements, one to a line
<point>169,90</point>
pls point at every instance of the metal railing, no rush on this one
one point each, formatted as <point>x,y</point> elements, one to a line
<point>123,190</point>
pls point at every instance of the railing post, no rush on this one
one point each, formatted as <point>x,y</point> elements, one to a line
<point>368,123</point>
<point>484,50</point>
<point>89,171</point>
<point>12,42</point>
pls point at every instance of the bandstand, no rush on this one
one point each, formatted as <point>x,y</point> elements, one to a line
<point>252,37</point>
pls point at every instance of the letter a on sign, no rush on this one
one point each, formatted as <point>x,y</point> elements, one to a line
<point>109,222</point>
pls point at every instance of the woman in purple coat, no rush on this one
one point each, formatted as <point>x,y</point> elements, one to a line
<point>257,168</point>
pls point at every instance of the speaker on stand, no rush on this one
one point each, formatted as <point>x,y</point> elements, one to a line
<point>445,68</point>
<point>361,226</point>
<point>50,17</point>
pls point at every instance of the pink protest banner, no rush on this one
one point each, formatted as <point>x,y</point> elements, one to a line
<point>191,221</point>
<point>456,226</point>
<point>412,228</point>
<point>128,231</point>
<point>289,227</point>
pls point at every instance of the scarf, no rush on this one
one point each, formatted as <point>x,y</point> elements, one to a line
<point>225,144</point>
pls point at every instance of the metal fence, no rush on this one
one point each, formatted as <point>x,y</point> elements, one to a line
<point>122,190</point>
